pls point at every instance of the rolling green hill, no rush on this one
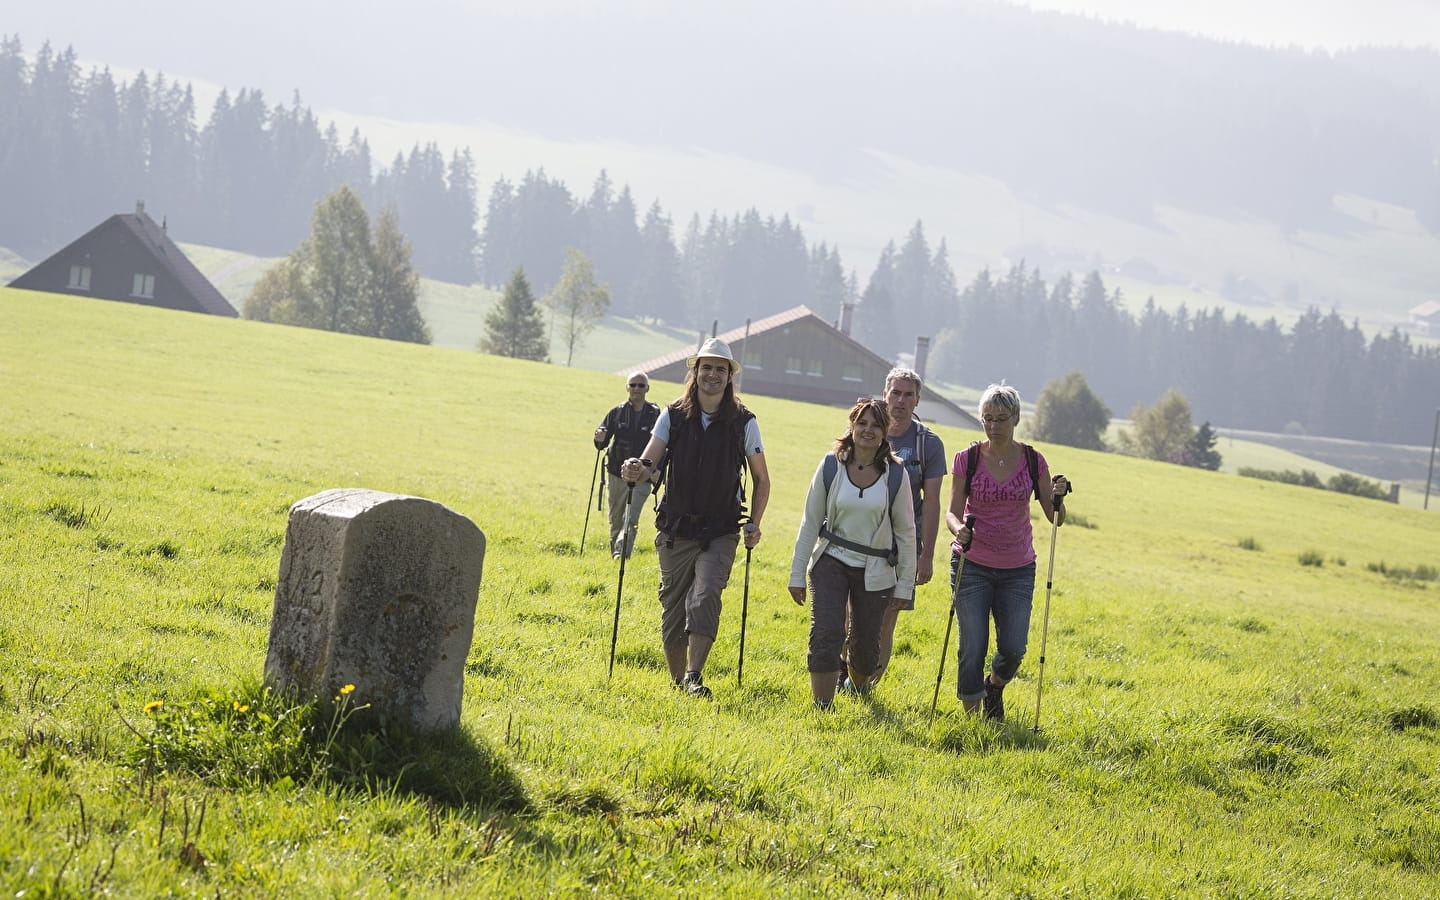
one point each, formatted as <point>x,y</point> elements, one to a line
<point>1239,694</point>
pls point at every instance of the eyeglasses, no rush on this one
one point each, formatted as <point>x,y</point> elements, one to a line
<point>639,387</point>
<point>996,420</point>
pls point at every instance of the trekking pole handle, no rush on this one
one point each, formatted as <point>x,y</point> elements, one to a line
<point>970,524</point>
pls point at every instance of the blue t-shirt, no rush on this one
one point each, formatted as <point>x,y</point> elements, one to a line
<point>924,458</point>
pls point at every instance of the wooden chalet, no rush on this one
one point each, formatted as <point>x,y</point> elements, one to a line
<point>799,356</point>
<point>128,257</point>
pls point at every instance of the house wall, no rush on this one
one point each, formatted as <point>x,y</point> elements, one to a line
<point>806,361</point>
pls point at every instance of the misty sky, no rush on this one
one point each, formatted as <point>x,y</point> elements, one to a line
<point>508,79</point>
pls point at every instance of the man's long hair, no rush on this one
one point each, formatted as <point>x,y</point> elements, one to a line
<point>689,402</point>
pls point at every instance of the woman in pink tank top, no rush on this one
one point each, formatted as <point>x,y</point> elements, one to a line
<point>995,480</point>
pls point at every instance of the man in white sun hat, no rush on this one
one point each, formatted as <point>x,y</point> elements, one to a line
<point>710,437</point>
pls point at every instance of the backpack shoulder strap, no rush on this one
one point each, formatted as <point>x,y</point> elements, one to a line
<point>1033,461</point>
<point>972,458</point>
<point>830,467</point>
<point>893,471</point>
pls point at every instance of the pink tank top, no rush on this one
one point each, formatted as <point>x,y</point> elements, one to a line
<point>1003,537</point>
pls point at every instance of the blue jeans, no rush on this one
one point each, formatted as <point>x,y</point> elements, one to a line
<point>982,593</point>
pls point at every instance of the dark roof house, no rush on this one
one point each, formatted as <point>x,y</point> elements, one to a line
<point>799,356</point>
<point>128,257</point>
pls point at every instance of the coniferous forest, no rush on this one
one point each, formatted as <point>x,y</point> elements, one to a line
<point>78,146</point>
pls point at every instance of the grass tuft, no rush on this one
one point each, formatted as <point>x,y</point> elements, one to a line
<point>254,736</point>
<point>77,516</point>
<point>1420,572</point>
<point>1412,717</point>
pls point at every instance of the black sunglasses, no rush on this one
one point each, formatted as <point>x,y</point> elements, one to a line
<point>641,386</point>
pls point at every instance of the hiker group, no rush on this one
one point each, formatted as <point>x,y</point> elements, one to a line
<point>868,532</point>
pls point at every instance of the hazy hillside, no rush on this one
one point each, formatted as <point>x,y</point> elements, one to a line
<point>1200,171</point>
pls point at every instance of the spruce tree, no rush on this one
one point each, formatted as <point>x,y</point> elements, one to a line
<point>338,279</point>
<point>395,285</point>
<point>513,327</point>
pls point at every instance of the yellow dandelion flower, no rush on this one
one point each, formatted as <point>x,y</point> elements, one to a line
<point>240,707</point>
<point>347,689</point>
<point>154,706</point>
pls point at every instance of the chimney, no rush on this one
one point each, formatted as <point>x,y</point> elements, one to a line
<point>922,354</point>
<point>847,312</point>
<point>139,207</point>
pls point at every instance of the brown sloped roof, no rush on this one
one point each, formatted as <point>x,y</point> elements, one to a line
<point>735,337</point>
<point>731,337</point>
<point>170,256</point>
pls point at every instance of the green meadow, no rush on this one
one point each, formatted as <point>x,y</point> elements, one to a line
<point>1240,678</point>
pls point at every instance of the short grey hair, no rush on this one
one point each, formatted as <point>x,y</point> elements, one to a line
<point>1002,395</point>
<point>900,373</point>
<point>640,375</point>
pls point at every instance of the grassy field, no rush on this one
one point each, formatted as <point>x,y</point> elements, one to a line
<point>1239,687</point>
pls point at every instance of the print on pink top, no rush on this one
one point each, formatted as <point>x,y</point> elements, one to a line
<point>1003,537</point>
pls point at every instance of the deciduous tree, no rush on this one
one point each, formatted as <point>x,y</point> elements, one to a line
<point>576,301</point>
<point>1069,413</point>
<point>1162,431</point>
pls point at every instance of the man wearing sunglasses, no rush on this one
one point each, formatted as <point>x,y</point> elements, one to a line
<point>626,429</point>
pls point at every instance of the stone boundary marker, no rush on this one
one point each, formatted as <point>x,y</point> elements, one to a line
<point>377,590</point>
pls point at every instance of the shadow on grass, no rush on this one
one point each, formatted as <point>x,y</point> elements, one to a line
<point>451,768</point>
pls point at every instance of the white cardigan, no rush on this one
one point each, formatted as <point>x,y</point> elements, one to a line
<point>879,574</point>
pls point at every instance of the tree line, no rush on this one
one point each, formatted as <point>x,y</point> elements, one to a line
<point>76,147</point>
<point>743,266</point>
<point>1321,376</point>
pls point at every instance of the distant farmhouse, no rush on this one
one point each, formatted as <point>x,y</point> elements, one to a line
<point>1425,319</point>
<point>799,356</point>
<point>129,258</point>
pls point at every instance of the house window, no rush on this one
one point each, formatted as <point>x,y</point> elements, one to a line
<point>143,286</point>
<point>792,365</point>
<point>813,367</point>
<point>79,278</point>
<point>852,372</point>
<point>753,359</point>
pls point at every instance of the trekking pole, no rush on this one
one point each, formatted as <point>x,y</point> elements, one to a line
<point>1045,628</point>
<point>950,616</point>
<point>594,477</point>
<point>744,613</point>
<point>620,586</point>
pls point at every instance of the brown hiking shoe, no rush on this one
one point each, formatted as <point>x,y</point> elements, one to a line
<point>994,703</point>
